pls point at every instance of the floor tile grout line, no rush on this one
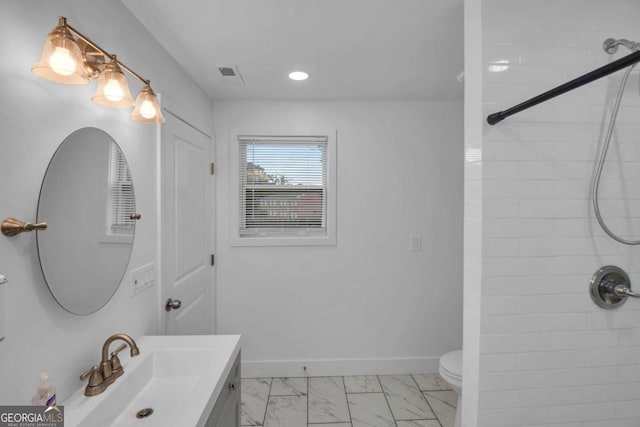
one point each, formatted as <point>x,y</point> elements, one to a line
<point>266,407</point>
<point>307,401</point>
<point>346,398</point>
<point>438,399</point>
<point>425,399</point>
<point>386,399</point>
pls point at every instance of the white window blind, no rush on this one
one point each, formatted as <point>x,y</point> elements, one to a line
<point>122,200</point>
<point>283,186</point>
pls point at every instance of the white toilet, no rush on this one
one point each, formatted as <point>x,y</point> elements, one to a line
<point>451,372</point>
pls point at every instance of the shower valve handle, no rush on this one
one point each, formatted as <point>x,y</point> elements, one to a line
<point>622,290</point>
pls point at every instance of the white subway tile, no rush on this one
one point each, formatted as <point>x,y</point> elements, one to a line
<point>628,373</point>
<point>538,208</point>
<point>536,227</point>
<point>497,362</point>
<point>618,319</point>
<point>550,322</point>
<point>576,377</point>
<point>579,190</point>
<point>612,392</point>
<point>502,170</point>
<point>498,324</point>
<point>549,285</point>
<point>585,340</point>
<point>501,286</point>
<point>630,337</point>
<point>514,189</point>
<point>500,208</point>
<point>537,247</point>
<point>513,417</point>
<point>628,409</point>
<point>500,399</point>
<point>496,247</point>
<point>585,412</point>
<point>574,170</point>
<point>514,343</point>
<point>514,380</point>
<point>501,94</point>
<point>533,170</point>
<point>514,266</point>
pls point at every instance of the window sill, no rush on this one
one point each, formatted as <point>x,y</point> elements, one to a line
<point>261,241</point>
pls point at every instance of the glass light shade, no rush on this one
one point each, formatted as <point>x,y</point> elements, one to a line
<point>147,109</point>
<point>61,59</point>
<point>113,88</point>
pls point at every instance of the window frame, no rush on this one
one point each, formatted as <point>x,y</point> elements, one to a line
<point>284,239</point>
<point>115,233</point>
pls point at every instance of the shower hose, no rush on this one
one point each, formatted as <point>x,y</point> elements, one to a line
<point>603,157</point>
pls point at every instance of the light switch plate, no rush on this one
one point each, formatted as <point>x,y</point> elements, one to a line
<point>141,279</point>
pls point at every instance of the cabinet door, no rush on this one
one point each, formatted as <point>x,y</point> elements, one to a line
<point>229,416</point>
<point>226,411</point>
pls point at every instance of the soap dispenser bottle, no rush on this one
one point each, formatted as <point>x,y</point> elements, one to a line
<point>46,394</point>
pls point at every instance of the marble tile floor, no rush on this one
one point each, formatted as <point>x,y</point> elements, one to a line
<point>419,400</point>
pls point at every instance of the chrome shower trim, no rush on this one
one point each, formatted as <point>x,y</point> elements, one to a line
<point>611,45</point>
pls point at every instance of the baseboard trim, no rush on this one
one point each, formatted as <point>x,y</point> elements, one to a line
<point>338,367</point>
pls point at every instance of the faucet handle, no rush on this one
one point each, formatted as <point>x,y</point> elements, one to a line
<point>118,350</point>
<point>94,375</point>
<point>96,384</point>
<point>116,367</point>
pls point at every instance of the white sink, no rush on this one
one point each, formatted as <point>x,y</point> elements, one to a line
<point>179,377</point>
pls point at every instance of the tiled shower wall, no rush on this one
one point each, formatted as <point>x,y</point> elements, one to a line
<point>547,354</point>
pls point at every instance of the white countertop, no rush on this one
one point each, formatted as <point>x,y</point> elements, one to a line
<point>194,409</point>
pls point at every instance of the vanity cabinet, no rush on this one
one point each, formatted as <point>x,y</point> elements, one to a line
<point>226,411</point>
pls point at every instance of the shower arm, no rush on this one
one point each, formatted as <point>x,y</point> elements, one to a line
<point>591,76</point>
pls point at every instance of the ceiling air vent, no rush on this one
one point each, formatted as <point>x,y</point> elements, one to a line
<point>230,75</point>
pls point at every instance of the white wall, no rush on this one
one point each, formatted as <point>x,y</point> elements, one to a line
<point>367,304</point>
<point>35,117</point>
<point>548,354</point>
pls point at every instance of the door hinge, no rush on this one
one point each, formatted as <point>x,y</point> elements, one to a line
<point>213,260</point>
<point>213,168</point>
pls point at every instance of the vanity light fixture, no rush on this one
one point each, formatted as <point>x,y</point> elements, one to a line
<point>298,75</point>
<point>67,60</point>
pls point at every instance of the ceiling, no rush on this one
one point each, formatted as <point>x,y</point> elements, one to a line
<point>352,49</point>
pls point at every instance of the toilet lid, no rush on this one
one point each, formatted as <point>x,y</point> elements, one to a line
<point>451,363</point>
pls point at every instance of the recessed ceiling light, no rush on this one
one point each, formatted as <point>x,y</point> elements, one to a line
<point>298,75</point>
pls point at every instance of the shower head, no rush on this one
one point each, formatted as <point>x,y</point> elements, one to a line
<point>611,45</point>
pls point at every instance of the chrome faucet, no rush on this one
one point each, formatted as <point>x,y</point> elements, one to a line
<point>101,377</point>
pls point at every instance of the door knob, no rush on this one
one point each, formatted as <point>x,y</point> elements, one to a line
<point>173,304</point>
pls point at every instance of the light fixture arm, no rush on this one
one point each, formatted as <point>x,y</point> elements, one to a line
<point>63,22</point>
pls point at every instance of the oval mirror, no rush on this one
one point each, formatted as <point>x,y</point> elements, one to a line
<point>86,199</point>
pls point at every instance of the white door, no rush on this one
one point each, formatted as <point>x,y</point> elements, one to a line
<point>187,232</point>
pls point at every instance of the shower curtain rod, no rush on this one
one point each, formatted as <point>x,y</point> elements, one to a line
<point>596,74</point>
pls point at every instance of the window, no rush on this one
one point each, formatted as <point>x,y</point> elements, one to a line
<point>121,197</point>
<point>286,190</point>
